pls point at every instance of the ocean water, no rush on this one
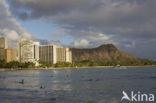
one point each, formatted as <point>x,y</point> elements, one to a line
<point>90,85</point>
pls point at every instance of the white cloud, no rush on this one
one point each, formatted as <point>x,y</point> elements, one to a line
<point>133,20</point>
<point>100,37</point>
<point>27,35</point>
<point>10,34</point>
<point>81,43</point>
<point>93,39</point>
<point>9,27</point>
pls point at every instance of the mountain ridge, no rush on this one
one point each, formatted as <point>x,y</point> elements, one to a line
<point>105,52</point>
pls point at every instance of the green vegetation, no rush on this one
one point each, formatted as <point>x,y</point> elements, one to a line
<point>115,63</point>
<point>46,64</point>
<point>59,64</point>
<point>99,63</point>
<point>16,64</point>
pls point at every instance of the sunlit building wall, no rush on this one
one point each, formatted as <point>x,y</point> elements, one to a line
<point>28,51</point>
<point>54,54</point>
<point>8,54</point>
<point>11,54</point>
<point>2,54</point>
<point>63,54</point>
<point>68,55</point>
<point>3,43</point>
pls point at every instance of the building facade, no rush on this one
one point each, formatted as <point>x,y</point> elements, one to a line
<point>11,54</point>
<point>54,54</point>
<point>3,43</point>
<point>2,54</point>
<point>47,53</point>
<point>68,55</point>
<point>63,54</point>
<point>28,51</point>
<point>8,54</point>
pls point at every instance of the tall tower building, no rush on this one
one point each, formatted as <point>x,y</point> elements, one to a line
<point>63,54</point>
<point>11,54</point>
<point>54,54</point>
<point>7,54</point>
<point>3,43</point>
<point>2,54</point>
<point>28,51</point>
<point>3,46</point>
<point>68,55</point>
<point>47,53</point>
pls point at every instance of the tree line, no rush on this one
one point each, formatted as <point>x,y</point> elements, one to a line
<point>16,64</point>
<point>99,63</point>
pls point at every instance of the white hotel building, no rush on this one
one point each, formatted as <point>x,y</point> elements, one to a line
<point>54,54</point>
<point>28,51</point>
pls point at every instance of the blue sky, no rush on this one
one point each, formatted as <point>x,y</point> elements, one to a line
<point>45,30</point>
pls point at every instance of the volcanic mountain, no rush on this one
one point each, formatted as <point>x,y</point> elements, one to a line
<point>106,52</point>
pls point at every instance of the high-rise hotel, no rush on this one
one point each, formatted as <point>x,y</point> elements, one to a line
<point>47,53</point>
<point>28,51</point>
<point>63,54</point>
<point>3,43</point>
<point>54,54</point>
<point>7,54</point>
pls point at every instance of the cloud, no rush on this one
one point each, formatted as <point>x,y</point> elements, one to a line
<point>102,38</point>
<point>46,42</point>
<point>9,27</point>
<point>93,41</point>
<point>81,43</point>
<point>125,18</point>
<point>127,23</point>
<point>11,34</point>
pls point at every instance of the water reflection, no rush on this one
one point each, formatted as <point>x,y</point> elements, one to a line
<point>74,86</point>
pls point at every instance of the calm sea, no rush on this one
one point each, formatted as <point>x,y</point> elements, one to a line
<point>92,85</point>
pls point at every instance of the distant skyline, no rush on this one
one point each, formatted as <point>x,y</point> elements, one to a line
<point>128,24</point>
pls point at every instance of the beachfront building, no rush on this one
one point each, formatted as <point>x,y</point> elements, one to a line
<point>47,53</point>
<point>3,43</point>
<point>11,54</point>
<point>3,46</point>
<point>2,54</point>
<point>28,51</point>
<point>54,54</point>
<point>63,54</point>
<point>68,55</point>
<point>7,54</point>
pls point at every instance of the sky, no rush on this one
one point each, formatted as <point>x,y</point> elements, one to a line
<point>128,24</point>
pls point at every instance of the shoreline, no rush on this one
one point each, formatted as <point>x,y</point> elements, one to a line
<point>67,68</point>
